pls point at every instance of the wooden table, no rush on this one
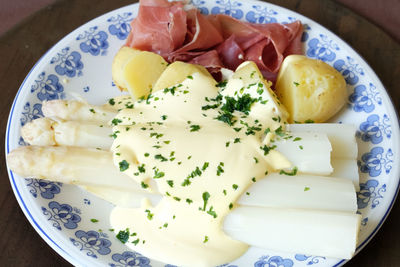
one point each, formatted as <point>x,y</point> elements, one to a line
<point>21,47</point>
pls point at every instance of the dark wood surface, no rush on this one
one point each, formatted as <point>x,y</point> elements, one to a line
<point>21,47</point>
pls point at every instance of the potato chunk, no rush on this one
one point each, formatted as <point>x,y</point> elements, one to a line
<point>176,73</point>
<point>137,71</point>
<point>310,89</point>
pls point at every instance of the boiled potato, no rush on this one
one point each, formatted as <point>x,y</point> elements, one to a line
<point>121,58</point>
<point>176,73</point>
<point>310,89</point>
<point>137,71</point>
<point>142,71</point>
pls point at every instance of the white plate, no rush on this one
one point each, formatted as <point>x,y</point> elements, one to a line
<point>81,63</point>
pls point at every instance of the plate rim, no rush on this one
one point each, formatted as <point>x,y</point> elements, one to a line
<point>391,108</point>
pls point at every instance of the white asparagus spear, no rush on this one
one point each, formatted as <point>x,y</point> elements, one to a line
<point>302,192</point>
<point>310,154</point>
<point>74,110</point>
<point>94,169</point>
<point>346,168</point>
<point>341,136</point>
<point>72,165</point>
<point>48,132</point>
<point>309,232</point>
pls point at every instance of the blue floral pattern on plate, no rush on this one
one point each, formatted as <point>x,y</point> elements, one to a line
<point>377,131</point>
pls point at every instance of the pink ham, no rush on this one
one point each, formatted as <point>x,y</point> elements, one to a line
<point>214,41</point>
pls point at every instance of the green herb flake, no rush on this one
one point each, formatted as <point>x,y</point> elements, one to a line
<point>123,236</point>
<point>296,139</point>
<point>253,179</point>
<point>170,183</point>
<point>149,214</point>
<point>116,121</point>
<point>235,186</point>
<point>158,174</point>
<point>194,128</point>
<point>230,206</point>
<point>296,84</point>
<point>255,159</point>
<point>227,144</point>
<point>111,102</point>
<point>92,110</point>
<point>220,169</point>
<point>291,173</point>
<point>267,149</point>
<point>205,239</point>
<point>224,192</point>
<point>94,220</point>
<point>190,77</point>
<point>308,121</point>
<point>189,201</point>
<point>237,140</point>
<point>146,154</point>
<point>177,198</point>
<point>144,185</point>
<point>301,147</point>
<point>164,117</point>
<point>205,197</point>
<point>306,188</point>
<point>123,165</point>
<point>160,157</point>
<point>135,242</point>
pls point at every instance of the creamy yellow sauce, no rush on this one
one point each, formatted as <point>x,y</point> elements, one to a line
<point>178,143</point>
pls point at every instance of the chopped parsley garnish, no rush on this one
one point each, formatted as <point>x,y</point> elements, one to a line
<point>309,121</point>
<point>194,128</point>
<point>212,212</point>
<point>146,154</point>
<point>253,179</point>
<point>291,173</point>
<point>190,77</point>
<point>177,198</point>
<point>111,102</point>
<point>205,239</point>
<point>116,121</point>
<point>224,191</point>
<point>144,185</point>
<point>149,214</point>
<point>255,159</point>
<point>123,165</point>
<point>267,149</point>
<point>296,83</point>
<point>170,183</point>
<point>123,236</point>
<point>222,84</point>
<point>301,147</point>
<point>280,131</point>
<point>220,169</point>
<point>141,168</point>
<point>205,166</point>
<point>230,206</point>
<point>205,196</point>
<point>135,242</point>
<point>235,186</point>
<point>92,110</point>
<point>296,139</point>
<point>227,144</point>
<point>237,140</point>
<point>189,201</point>
<point>306,188</point>
<point>114,134</point>
<point>94,220</point>
<point>164,117</point>
<point>160,157</point>
<point>158,174</point>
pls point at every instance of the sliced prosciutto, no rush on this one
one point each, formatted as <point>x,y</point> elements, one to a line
<point>214,41</point>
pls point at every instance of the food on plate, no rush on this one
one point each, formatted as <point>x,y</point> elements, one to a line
<point>214,41</point>
<point>205,155</point>
<point>183,151</point>
<point>310,89</point>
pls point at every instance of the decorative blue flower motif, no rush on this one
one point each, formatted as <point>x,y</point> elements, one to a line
<point>45,188</point>
<point>322,49</point>
<point>130,258</point>
<point>228,7</point>
<point>274,261</point>
<point>91,241</point>
<point>375,161</point>
<point>86,89</point>
<point>121,25</point>
<point>94,42</point>
<point>198,4</point>
<point>310,259</point>
<point>29,115</point>
<point>21,142</point>
<point>364,221</point>
<point>373,129</point>
<point>304,36</point>
<point>86,201</point>
<point>349,70</point>
<point>261,15</point>
<point>48,88</point>
<point>364,99</point>
<point>62,213</point>
<point>68,64</point>
<point>369,192</point>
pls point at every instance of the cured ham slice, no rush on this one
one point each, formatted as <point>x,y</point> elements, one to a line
<point>214,41</point>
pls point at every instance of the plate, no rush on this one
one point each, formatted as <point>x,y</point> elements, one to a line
<point>80,64</point>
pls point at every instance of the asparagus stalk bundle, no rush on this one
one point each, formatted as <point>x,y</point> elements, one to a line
<point>307,213</point>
